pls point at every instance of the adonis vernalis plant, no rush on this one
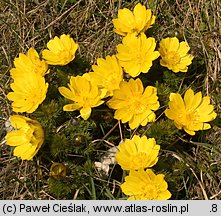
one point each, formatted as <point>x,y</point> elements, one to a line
<point>174,55</point>
<point>112,84</point>
<point>136,54</point>
<point>134,104</point>
<point>192,112</point>
<point>133,22</point>
<point>107,74</point>
<point>29,91</point>
<point>27,136</point>
<point>137,153</point>
<point>145,185</point>
<point>61,51</point>
<point>29,63</point>
<point>84,94</point>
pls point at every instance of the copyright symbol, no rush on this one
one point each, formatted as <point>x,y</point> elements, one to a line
<point>9,209</point>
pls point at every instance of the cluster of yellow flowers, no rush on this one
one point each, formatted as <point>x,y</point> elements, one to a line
<point>135,155</point>
<point>29,91</point>
<point>133,103</point>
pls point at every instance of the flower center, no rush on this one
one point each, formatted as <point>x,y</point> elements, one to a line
<point>140,160</point>
<point>192,117</point>
<point>140,57</point>
<point>172,57</point>
<point>150,191</point>
<point>137,107</point>
<point>28,133</point>
<point>66,55</point>
<point>189,117</point>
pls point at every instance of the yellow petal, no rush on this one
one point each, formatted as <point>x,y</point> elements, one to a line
<point>132,69</point>
<point>71,107</point>
<point>32,54</point>
<point>206,126</point>
<point>197,100</point>
<point>173,44</point>
<point>176,102</point>
<point>16,138</point>
<point>164,195</point>
<point>85,112</point>
<point>122,114</point>
<point>188,98</point>
<point>135,121</point>
<point>127,17</point>
<point>203,106</point>
<point>26,152</point>
<point>207,117</point>
<point>183,48</point>
<point>190,132</point>
<point>136,86</point>
<point>18,121</point>
<point>186,60</point>
<point>66,93</point>
<point>140,16</point>
<point>171,114</point>
<point>55,45</point>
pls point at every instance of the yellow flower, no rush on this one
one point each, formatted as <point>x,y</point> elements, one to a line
<point>175,55</point>
<point>138,153</point>
<point>61,50</point>
<point>29,63</point>
<point>84,94</point>
<point>107,74</point>
<point>191,113</point>
<point>137,21</point>
<point>133,104</point>
<point>136,53</point>
<point>145,185</point>
<point>29,92</point>
<point>27,137</point>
